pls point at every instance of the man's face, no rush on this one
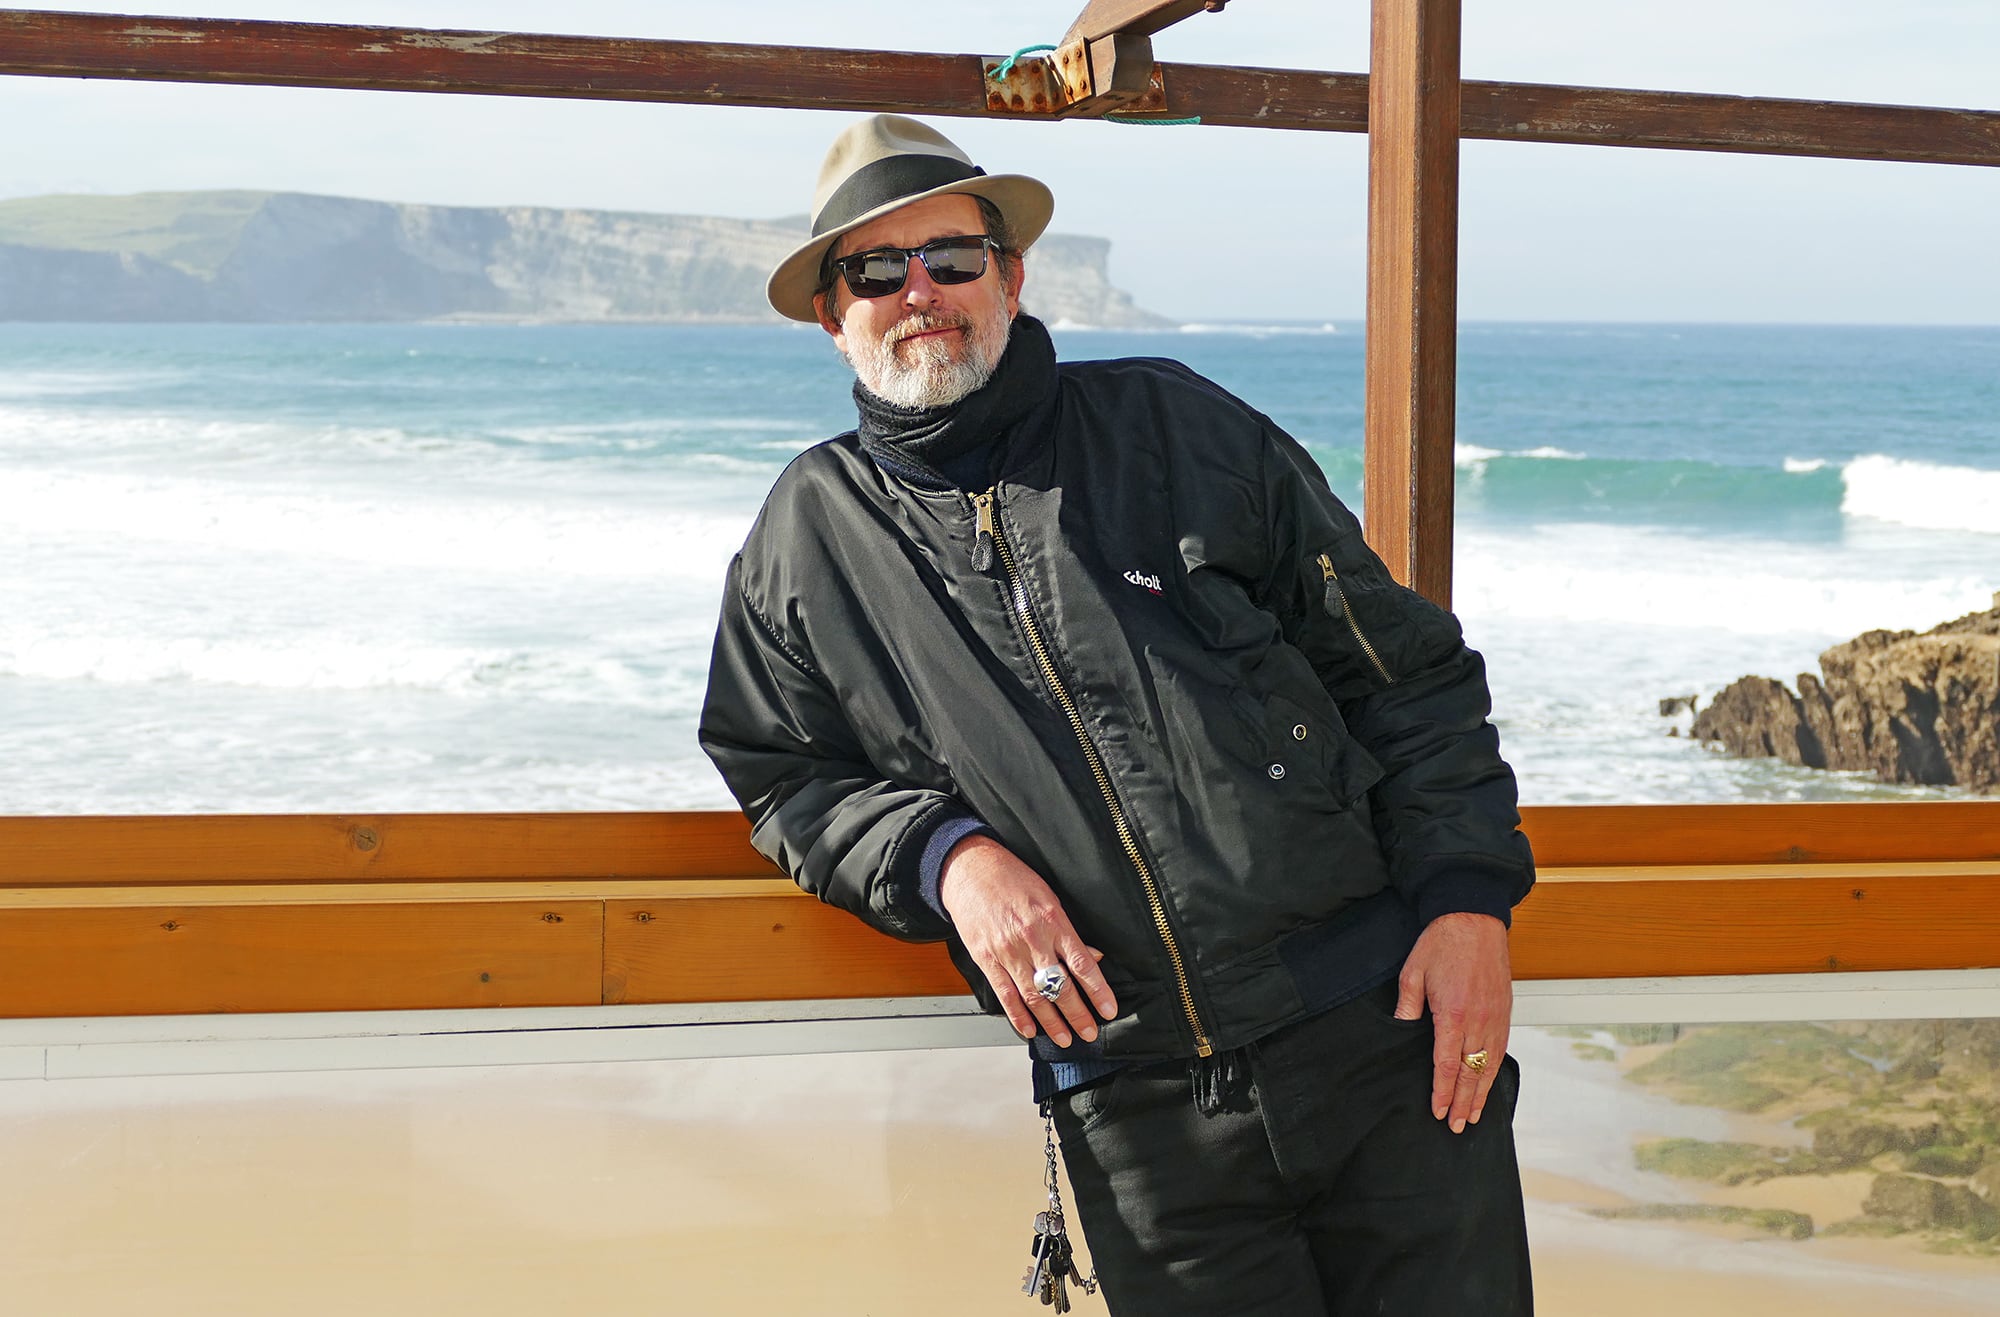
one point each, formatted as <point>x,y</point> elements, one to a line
<point>924,345</point>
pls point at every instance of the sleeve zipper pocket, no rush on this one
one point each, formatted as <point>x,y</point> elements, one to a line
<point>1337,608</point>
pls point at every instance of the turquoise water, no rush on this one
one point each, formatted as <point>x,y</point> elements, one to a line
<point>457,567</point>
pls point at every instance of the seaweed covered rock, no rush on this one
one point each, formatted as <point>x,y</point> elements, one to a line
<point>1917,1203</point>
<point>1904,706</point>
<point>1845,1141</point>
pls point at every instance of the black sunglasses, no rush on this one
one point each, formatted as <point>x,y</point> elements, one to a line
<point>878,273</point>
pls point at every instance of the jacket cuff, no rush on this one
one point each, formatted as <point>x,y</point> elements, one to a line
<point>947,833</point>
<point>1469,890</point>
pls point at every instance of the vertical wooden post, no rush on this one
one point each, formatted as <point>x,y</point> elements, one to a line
<point>1412,349</point>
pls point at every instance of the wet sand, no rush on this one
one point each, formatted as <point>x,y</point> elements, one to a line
<point>864,1185</point>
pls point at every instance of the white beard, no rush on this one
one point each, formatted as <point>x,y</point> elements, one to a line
<point>932,372</point>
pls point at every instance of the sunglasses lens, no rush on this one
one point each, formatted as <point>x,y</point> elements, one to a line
<point>875,274</point>
<point>882,272</point>
<point>955,260</point>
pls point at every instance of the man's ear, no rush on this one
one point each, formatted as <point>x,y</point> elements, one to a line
<point>1012,286</point>
<point>823,308</point>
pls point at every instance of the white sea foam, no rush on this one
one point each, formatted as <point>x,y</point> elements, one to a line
<point>45,431</point>
<point>340,662</point>
<point>1799,466</point>
<point>1616,576</point>
<point>77,383</point>
<point>1474,456</point>
<point>1257,331</point>
<point>393,528</point>
<point>1921,494</point>
<point>650,427</point>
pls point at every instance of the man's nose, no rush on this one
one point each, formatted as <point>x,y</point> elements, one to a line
<point>918,290</point>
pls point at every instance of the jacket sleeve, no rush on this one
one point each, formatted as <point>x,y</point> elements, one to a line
<point>817,807</point>
<point>1410,691</point>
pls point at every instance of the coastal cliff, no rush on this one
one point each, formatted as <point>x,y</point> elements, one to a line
<point>276,256</point>
<point>1908,707</point>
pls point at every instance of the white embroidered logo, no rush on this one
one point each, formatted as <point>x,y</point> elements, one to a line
<point>1140,578</point>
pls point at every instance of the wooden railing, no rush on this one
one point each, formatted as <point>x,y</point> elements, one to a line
<point>172,915</point>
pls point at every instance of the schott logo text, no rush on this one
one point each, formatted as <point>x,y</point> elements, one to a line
<point>1140,578</point>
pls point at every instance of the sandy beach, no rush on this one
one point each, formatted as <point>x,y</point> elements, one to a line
<point>859,1185</point>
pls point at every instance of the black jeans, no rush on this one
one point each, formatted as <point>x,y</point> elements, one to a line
<point>1331,1192</point>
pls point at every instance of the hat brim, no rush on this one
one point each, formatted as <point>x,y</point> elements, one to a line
<point>1026,202</point>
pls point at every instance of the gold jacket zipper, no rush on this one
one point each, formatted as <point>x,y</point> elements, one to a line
<point>989,527</point>
<point>1336,591</point>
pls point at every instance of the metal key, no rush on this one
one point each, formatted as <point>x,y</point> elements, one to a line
<point>1055,1268</point>
<point>1061,1263</point>
<point>1036,1281</point>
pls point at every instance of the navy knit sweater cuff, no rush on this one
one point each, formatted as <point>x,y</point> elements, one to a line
<point>930,866</point>
<point>1466,892</point>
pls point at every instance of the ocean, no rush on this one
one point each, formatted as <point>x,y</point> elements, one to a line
<point>449,567</point>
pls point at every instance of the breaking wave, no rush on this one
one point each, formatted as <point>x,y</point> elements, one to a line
<point>1921,494</point>
<point>1554,484</point>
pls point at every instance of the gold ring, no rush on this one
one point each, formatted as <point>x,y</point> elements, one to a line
<point>1475,1061</point>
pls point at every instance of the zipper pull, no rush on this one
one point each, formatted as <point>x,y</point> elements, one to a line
<point>982,540</point>
<point>1336,602</point>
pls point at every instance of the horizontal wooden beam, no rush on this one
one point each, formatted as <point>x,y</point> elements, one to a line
<point>1641,926</point>
<point>237,950</point>
<point>236,914</point>
<point>49,44</point>
<point>1875,832</point>
<point>780,945</point>
<point>250,955</point>
<point>363,848</point>
<point>132,850</point>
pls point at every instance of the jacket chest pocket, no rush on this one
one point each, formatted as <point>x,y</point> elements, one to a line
<point>1313,747</point>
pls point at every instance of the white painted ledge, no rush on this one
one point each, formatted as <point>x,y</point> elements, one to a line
<point>106,1046</point>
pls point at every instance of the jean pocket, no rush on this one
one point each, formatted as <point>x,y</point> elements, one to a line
<point>1089,1106</point>
<point>1379,1004</point>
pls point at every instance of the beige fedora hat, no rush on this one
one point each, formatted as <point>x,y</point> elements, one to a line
<point>882,163</point>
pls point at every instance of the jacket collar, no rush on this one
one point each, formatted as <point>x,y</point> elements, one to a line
<point>913,445</point>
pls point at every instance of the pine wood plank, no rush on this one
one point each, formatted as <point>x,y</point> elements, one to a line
<point>1791,925</point>
<point>376,847</point>
<point>781,947</point>
<point>1649,890</point>
<point>203,959</point>
<point>1864,832</point>
<point>486,892</point>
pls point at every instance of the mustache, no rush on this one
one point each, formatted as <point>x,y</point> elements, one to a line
<point>925,322</point>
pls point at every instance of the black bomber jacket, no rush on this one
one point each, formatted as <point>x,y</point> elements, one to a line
<point>1175,681</point>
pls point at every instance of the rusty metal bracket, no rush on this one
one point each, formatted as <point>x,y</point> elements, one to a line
<point>1080,80</point>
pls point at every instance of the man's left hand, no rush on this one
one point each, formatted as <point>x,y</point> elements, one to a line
<point>1460,966</point>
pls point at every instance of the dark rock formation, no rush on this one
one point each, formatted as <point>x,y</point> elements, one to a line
<point>1906,707</point>
<point>1849,1141</point>
<point>1919,1204</point>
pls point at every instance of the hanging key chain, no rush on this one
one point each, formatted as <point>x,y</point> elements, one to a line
<point>1054,1268</point>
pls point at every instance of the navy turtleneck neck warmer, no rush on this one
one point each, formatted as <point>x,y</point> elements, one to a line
<point>955,447</point>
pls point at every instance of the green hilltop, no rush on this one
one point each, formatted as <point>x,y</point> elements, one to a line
<point>191,231</point>
<point>285,256</point>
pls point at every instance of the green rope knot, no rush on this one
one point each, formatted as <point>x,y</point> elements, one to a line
<point>1006,66</point>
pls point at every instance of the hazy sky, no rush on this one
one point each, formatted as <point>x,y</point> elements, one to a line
<point>1206,222</point>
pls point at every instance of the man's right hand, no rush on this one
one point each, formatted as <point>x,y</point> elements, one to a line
<point>1013,925</point>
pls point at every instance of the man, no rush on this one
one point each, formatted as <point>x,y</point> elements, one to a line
<point>1083,669</point>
